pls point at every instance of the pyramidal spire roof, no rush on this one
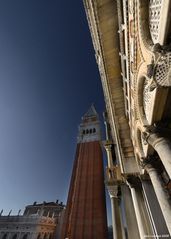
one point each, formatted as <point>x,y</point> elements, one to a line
<point>91,112</point>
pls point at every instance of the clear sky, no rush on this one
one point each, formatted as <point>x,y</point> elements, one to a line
<point>48,79</point>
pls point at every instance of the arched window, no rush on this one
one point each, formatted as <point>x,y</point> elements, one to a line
<point>94,130</point>
<point>87,131</point>
<point>84,131</point>
<point>90,131</point>
<point>4,236</point>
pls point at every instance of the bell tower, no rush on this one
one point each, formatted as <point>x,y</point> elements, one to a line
<point>85,216</point>
<point>89,129</point>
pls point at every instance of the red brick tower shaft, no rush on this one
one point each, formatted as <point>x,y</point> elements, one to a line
<point>85,216</point>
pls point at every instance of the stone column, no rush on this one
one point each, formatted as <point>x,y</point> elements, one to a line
<point>163,148</point>
<point>129,213</point>
<point>154,208</point>
<point>116,220</point>
<point>108,148</point>
<point>161,194</point>
<point>8,234</point>
<point>137,211</point>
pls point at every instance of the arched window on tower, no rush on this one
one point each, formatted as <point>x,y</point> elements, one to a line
<point>87,131</point>
<point>94,130</point>
<point>84,131</point>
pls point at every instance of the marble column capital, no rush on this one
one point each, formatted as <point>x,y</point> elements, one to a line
<point>113,191</point>
<point>108,147</point>
<point>107,144</point>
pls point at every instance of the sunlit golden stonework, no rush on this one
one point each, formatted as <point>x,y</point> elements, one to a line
<point>132,42</point>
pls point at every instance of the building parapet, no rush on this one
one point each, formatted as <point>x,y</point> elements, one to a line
<point>33,219</point>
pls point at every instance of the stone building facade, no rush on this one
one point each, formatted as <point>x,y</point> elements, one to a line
<point>132,42</point>
<point>39,221</point>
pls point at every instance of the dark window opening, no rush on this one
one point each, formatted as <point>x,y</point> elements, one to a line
<point>4,236</point>
<point>25,236</point>
<point>14,237</point>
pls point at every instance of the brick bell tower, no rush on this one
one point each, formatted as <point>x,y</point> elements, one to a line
<point>85,216</point>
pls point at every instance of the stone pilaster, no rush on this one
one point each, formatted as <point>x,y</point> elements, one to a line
<point>116,219</point>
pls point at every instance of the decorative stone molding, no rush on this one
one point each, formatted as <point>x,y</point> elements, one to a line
<point>144,97</point>
<point>146,42</point>
<point>138,140</point>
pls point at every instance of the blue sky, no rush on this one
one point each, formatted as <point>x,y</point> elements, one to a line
<point>48,79</point>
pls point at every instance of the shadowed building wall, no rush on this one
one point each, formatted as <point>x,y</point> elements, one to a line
<point>85,215</point>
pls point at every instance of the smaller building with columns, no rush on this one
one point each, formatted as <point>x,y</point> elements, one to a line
<point>39,221</point>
